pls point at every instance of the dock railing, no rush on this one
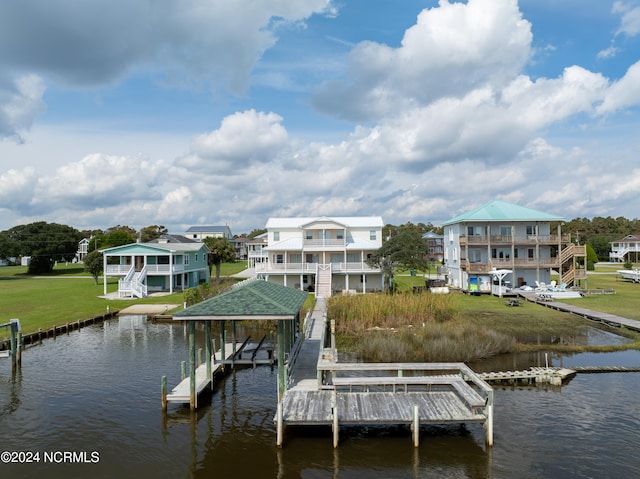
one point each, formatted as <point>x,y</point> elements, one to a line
<point>476,393</point>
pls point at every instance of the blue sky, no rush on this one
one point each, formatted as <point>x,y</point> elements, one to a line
<point>187,112</point>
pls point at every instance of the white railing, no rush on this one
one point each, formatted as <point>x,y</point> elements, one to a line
<point>352,267</point>
<point>324,242</point>
<point>118,268</point>
<point>286,267</point>
<point>310,268</point>
<point>619,252</point>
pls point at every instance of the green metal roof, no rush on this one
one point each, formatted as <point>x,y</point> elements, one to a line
<point>503,211</point>
<point>250,300</point>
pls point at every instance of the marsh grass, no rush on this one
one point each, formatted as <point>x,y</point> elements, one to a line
<point>411,327</point>
<point>458,327</point>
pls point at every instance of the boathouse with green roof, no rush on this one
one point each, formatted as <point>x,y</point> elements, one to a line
<point>251,300</point>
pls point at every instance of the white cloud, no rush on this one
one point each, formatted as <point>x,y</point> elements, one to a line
<point>451,49</point>
<point>630,22</point>
<point>242,139</point>
<point>216,42</point>
<point>20,103</point>
<point>623,93</point>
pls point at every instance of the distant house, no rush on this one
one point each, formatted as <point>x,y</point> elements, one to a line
<point>169,263</point>
<point>435,246</point>
<point>201,232</point>
<point>323,254</point>
<point>256,252</point>
<point>508,237</point>
<point>240,247</point>
<point>625,249</point>
<point>83,249</point>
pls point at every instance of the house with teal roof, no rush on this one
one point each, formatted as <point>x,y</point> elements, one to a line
<point>170,263</point>
<point>523,245</point>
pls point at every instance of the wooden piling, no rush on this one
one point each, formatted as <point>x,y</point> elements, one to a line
<point>193,398</point>
<point>415,426</point>
<point>164,393</point>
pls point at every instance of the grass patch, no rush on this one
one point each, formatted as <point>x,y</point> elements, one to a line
<point>66,295</point>
<point>458,327</point>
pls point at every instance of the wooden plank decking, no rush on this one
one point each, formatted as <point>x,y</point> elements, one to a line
<point>323,391</point>
<point>610,319</point>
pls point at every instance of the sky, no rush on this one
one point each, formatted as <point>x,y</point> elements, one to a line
<point>210,112</point>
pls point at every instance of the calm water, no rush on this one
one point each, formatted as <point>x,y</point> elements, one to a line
<point>98,389</point>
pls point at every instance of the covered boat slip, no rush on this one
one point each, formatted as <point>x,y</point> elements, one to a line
<point>251,300</point>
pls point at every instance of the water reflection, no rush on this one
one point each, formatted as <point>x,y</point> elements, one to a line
<point>99,389</point>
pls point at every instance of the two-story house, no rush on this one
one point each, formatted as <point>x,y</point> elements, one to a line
<point>201,232</point>
<point>323,254</point>
<point>435,246</point>
<point>255,250</point>
<point>169,263</point>
<point>512,239</point>
<point>625,249</point>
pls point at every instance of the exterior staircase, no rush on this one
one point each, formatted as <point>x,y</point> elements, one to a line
<point>573,269</point>
<point>133,284</point>
<point>323,281</point>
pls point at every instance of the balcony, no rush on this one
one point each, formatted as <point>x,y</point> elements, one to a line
<point>526,263</point>
<point>516,240</point>
<point>310,268</point>
<point>323,243</point>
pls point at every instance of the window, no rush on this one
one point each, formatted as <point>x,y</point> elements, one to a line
<point>308,235</point>
<point>186,259</point>
<point>196,257</point>
<point>340,234</point>
<point>295,258</point>
<point>279,259</point>
<point>475,256</point>
<point>505,231</point>
<point>276,236</point>
<point>531,229</point>
<point>372,235</point>
<point>530,253</point>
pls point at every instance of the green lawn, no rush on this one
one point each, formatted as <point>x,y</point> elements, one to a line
<point>66,295</point>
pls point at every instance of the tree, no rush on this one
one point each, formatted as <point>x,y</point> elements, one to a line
<point>44,242</point>
<point>256,232</point>
<point>149,233</point>
<point>93,264</point>
<point>117,238</point>
<point>221,252</point>
<point>407,249</point>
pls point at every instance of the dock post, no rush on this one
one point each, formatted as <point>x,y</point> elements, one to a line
<point>193,400</point>
<point>415,426</point>
<point>279,425</point>
<point>183,370</point>
<point>335,426</point>
<point>207,346</point>
<point>164,393</point>
<point>223,340</point>
<point>489,421</point>
<point>15,328</point>
<point>282,379</point>
<point>19,350</point>
<point>333,338</point>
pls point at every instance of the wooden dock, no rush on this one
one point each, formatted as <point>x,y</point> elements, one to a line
<point>231,354</point>
<point>323,391</point>
<point>606,318</point>
<point>538,375</point>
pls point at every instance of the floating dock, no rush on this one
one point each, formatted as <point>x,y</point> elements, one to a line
<point>547,375</point>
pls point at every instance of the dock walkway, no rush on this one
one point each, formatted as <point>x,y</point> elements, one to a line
<point>610,319</point>
<point>182,392</point>
<point>323,391</point>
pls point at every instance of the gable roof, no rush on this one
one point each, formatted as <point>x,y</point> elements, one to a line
<point>348,221</point>
<point>498,210</point>
<point>250,300</point>
<point>209,229</point>
<point>628,239</point>
<point>141,248</point>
